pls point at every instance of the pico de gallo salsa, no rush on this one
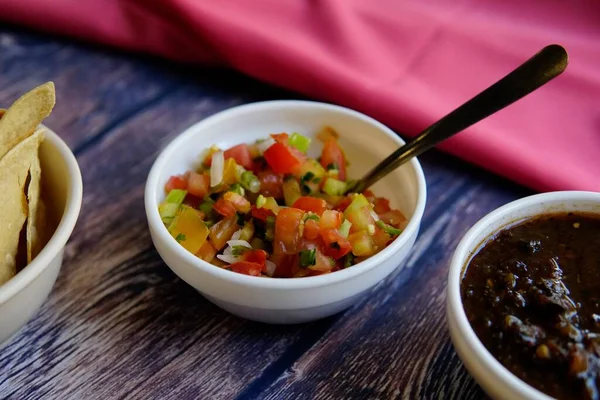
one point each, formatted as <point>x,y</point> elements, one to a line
<point>268,209</point>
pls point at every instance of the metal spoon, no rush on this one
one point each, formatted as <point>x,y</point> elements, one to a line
<point>540,69</point>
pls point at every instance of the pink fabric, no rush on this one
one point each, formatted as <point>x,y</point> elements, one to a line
<point>406,63</point>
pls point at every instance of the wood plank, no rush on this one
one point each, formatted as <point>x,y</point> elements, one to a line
<point>396,344</point>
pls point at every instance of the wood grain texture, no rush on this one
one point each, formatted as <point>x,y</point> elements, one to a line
<point>120,324</point>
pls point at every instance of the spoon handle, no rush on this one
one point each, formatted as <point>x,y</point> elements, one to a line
<point>547,64</point>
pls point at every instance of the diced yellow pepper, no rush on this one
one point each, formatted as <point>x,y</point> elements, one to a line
<point>229,171</point>
<point>189,229</point>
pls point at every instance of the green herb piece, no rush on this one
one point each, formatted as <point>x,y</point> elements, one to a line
<point>306,189</point>
<point>312,216</point>
<point>348,260</point>
<point>300,142</point>
<point>207,205</point>
<point>308,176</point>
<point>345,228</point>
<point>390,230</point>
<point>238,250</point>
<point>180,238</point>
<point>332,166</point>
<point>308,258</point>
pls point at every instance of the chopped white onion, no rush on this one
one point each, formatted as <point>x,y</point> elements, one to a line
<point>236,235</point>
<point>216,168</point>
<point>270,267</point>
<point>228,251</point>
<point>229,259</point>
<point>374,215</point>
<point>263,146</point>
<point>232,243</point>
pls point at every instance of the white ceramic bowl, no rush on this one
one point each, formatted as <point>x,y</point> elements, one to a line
<point>276,300</point>
<point>493,377</point>
<point>23,295</point>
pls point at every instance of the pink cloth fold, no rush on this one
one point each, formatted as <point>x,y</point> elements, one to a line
<point>406,63</point>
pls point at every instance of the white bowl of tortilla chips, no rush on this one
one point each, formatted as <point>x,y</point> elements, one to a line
<point>40,199</point>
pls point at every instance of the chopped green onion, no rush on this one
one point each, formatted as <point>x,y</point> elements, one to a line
<point>270,231</point>
<point>308,176</point>
<point>312,216</point>
<point>168,208</point>
<point>207,205</point>
<point>250,182</point>
<point>237,188</point>
<point>238,250</point>
<point>334,187</point>
<point>241,219</point>
<point>390,230</point>
<point>348,260</point>
<point>345,228</point>
<point>308,258</point>
<point>261,201</point>
<point>300,142</point>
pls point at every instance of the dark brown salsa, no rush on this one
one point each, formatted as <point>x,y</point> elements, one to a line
<point>532,295</point>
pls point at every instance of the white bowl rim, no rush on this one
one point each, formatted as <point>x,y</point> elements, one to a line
<point>64,229</point>
<point>152,184</point>
<point>455,310</point>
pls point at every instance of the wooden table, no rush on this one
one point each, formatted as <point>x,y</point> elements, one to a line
<point>120,325</point>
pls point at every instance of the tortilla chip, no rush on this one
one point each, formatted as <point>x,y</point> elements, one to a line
<point>14,170</point>
<point>33,200</point>
<point>24,116</point>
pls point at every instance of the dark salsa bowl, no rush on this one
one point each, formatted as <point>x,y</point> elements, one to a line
<point>524,298</point>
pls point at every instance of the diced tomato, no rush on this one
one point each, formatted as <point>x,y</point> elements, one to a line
<point>282,138</point>
<point>380,238</point>
<point>261,213</point>
<point>256,256</point>
<point>323,263</point>
<point>283,159</point>
<point>176,182</point>
<point>287,230</point>
<point>246,268</point>
<point>331,219</point>
<point>271,184</point>
<point>207,252</point>
<point>192,201</point>
<point>239,202</point>
<point>394,218</point>
<point>284,264</point>
<point>198,184</point>
<point>333,154</point>
<point>311,229</point>
<point>335,245</point>
<point>313,204</point>
<point>368,194</point>
<point>341,206</point>
<point>241,154</point>
<point>225,208</point>
<point>381,205</point>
